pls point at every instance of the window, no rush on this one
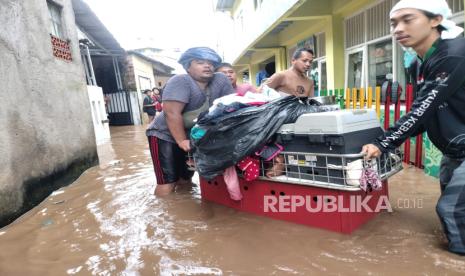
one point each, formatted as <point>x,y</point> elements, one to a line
<point>455,5</point>
<point>354,30</point>
<point>55,19</point>
<point>308,43</point>
<point>319,75</point>
<point>457,12</point>
<point>323,81</point>
<point>355,69</point>
<point>378,20</point>
<point>368,25</point>
<point>369,47</point>
<point>380,63</point>
<point>245,77</point>
<point>144,83</point>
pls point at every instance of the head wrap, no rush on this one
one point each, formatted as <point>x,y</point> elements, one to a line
<point>437,7</point>
<point>204,53</point>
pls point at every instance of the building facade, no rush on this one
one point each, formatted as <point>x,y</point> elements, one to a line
<point>142,73</point>
<point>47,135</point>
<point>351,40</point>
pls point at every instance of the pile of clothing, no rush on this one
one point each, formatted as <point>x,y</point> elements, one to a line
<point>235,129</point>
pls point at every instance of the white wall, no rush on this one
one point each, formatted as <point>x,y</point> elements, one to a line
<point>255,22</point>
<point>143,69</point>
<point>99,114</point>
<point>136,106</point>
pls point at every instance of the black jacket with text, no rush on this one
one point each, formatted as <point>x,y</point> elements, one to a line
<point>439,108</point>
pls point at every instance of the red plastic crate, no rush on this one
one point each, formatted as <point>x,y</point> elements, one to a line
<point>253,202</point>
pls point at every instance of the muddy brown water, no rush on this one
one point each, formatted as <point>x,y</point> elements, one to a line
<point>109,223</point>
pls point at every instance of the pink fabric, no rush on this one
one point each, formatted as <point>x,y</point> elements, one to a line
<point>256,103</point>
<point>250,167</point>
<point>241,89</point>
<point>232,183</point>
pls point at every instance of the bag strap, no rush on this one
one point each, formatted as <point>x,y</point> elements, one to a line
<point>189,116</point>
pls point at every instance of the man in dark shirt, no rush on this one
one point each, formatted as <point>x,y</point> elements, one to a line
<point>184,98</point>
<point>149,105</point>
<point>439,108</point>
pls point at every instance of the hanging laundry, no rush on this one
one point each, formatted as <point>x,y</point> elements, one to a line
<point>370,179</point>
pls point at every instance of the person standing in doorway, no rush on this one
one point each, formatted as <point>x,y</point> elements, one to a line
<point>439,107</point>
<point>184,98</point>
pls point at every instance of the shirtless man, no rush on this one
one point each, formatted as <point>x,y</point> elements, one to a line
<point>294,80</point>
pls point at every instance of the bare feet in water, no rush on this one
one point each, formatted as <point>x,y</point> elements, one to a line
<point>164,189</point>
<point>184,185</point>
<point>169,188</point>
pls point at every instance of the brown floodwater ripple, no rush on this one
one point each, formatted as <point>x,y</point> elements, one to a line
<point>108,222</point>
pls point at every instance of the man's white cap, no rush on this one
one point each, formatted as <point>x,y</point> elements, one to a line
<point>438,7</point>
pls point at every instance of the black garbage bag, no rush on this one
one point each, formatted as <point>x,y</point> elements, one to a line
<point>238,134</point>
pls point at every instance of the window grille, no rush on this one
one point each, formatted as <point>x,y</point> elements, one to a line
<point>355,33</point>
<point>455,5</point>
<point>378,20</point>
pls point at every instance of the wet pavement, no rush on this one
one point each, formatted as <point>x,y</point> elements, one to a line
<point>109,223</point>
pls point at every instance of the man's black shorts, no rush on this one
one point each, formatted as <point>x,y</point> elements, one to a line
<point>169,161</point>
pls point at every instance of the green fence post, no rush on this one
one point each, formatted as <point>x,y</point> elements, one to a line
<point>342,98</point>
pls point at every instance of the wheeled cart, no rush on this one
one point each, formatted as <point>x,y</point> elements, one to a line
<point>318,182</point>
<point>328,201</point>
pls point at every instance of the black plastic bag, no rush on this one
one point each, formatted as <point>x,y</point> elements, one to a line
<point>232,137</point>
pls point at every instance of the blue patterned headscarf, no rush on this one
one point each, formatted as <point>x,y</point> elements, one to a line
<point>204,53</point>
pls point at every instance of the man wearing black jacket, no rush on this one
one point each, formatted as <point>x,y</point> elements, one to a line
<point>439,108</point>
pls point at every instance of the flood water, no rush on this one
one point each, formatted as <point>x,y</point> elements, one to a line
<point>109,223</point>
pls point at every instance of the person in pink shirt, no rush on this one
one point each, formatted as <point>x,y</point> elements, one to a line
<point>229,71</point>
